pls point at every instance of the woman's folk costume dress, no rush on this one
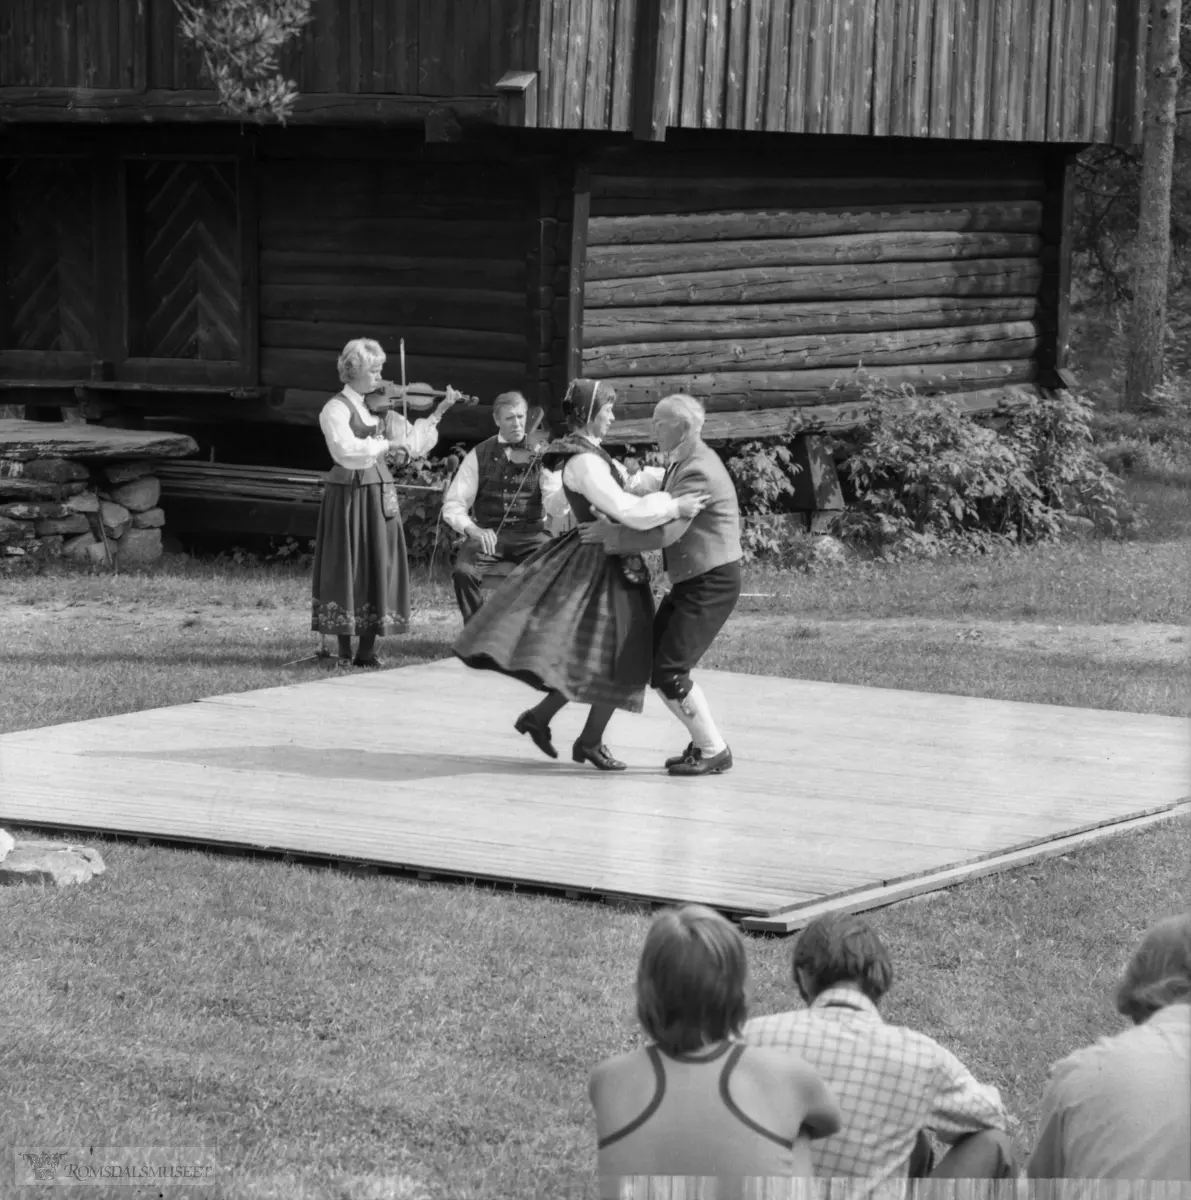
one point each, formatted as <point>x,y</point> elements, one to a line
<point>361,577</point>
<point>571,618</point>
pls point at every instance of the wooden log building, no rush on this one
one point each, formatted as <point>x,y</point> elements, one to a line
<point>743,198</point>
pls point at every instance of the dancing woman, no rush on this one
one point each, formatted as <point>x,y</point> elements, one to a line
<point>361,577</point>
<point>573,621</point>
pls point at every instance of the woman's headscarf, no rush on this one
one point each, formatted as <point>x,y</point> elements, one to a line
<point>585,398</point>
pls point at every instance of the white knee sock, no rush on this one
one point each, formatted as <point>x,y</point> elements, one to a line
<point>706,735</point>
<point>693,711</point>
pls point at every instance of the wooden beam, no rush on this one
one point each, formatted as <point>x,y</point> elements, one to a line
<point>656,67</point>
<point>75,105</point>
<point>248,185</point>
<point>581,211</point>
<point>819,418</point>
<point>518,91</point>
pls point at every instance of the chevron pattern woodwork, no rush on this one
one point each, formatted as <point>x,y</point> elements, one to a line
<point>48,242</point>
<point>187,259</point>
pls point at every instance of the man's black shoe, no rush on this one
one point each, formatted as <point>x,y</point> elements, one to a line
<point>714,764</point>
<point>691,751</point>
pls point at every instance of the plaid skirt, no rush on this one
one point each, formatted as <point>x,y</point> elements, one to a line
<point>361,577</point>
<point>567,620</point>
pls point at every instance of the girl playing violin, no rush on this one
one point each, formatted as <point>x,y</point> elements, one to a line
<point>361,577</point>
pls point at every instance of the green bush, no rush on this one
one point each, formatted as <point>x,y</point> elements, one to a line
<point>763,473</point>
<point>427,537</point>
<point>929,479</point>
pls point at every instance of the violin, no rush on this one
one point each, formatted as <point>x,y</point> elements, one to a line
<point>420,397</point>
<point>535,441</point>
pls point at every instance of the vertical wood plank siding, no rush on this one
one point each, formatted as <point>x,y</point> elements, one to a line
<point>1002,70</point>
<point>759,285</point>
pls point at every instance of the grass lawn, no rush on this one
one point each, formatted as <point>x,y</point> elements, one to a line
<point>324,1034</point>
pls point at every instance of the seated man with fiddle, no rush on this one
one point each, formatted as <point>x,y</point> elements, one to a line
<point>500,500</point>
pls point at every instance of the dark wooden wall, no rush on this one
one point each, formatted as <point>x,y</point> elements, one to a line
<point>412,47</point>
<point>762,282</point>
<point>436,252</point>
<point>1010,70</point>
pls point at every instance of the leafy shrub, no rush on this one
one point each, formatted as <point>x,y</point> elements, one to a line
<point>427,537</point>
<point>239,41</point>
<point>763,473</point>
<point>928,479</point>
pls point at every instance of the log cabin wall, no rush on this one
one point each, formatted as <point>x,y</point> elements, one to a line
<point>1009,70</point>
<point>383,238</point>
<point>761,282</point>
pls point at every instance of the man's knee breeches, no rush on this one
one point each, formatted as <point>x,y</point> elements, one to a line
<point>674,685</point>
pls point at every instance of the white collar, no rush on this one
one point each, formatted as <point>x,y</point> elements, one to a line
<point>352,394</point>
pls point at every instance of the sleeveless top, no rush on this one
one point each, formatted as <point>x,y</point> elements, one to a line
<point>693,1124</point>
<point>555,458</point>
<point>378,472</point>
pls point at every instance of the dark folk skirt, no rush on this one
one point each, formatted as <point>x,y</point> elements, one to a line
<point>361,577</point>
<point>568,620</point>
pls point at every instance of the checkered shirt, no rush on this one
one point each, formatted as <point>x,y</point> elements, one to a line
<point>890,1083</point>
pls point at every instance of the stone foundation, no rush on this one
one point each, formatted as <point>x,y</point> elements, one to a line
<point>58,507</point>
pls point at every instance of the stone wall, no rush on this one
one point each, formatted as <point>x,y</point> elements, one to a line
<point>96,513</point>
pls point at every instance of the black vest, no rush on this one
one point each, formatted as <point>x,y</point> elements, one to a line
<point>508,495</point>
<point>378,473</point>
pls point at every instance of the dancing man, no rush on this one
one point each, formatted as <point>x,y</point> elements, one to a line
<point>499,500</point>
<point>702,557</point>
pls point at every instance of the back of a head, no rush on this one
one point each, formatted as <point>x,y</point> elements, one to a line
<point>1159,973</point>
<point>843,948</point>
<point>691,979</point>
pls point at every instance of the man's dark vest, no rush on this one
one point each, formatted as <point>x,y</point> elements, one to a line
<point>508,495</point>
<point>378,472</point>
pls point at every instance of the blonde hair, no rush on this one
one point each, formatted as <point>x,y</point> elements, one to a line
<point>691,979</point>
<point>359,355</point>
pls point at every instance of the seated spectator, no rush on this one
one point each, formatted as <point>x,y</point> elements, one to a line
<point>696,1101</point>
<point>893,1084</point>
<point>1121,1108</point>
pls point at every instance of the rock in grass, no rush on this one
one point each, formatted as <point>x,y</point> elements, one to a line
<point>7,841</point>
<point>139,547</point>
<point>77,547</point>
<point>56,863</point>
<point>153,518</point>
<point>140,495</point>
<point>125,472</point>
<point>55,470</point>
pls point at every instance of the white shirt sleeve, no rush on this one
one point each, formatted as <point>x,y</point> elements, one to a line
<point>417,437</point>
<point>461,494</point>
<point>591,475</point>
<point>646,480</point>
<point>356,454</point>
<point>554,499</point>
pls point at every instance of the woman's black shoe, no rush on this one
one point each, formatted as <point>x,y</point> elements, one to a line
<point>598,756</point>
<point>369,664</point>
<point>528,723</point>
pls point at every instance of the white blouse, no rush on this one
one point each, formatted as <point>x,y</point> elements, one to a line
<point>591,476</point>
<point>357,454</point>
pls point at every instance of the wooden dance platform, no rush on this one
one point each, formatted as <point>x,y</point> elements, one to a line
<point>842,797</point>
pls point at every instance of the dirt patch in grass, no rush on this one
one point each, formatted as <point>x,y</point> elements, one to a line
<point>1124,644</point>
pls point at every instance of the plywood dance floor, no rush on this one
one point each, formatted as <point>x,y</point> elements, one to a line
<point>844,796</point>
